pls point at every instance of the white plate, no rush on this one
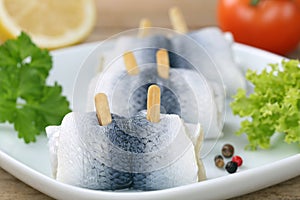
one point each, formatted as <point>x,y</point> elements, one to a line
<point>262,168</point>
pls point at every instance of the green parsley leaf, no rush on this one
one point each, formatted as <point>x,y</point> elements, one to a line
<point>274,106</point>
<point>26,100</point>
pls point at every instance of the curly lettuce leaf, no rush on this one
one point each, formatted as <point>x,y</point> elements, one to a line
<point>274,106</point>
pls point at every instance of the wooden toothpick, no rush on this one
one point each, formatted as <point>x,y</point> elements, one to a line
<point>102,109</point>
<point>163,63</point>
<point>177,20</point>
<point>153,104</point>
<point>130,63</point>
<point>143,29</point>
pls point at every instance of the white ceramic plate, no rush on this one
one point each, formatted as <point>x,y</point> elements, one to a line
<point>262,168</point>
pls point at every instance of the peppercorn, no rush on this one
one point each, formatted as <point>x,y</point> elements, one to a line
<point>227,150</point>
<point>238,160</point>
<point>231,167</point>
<point>219,161</point>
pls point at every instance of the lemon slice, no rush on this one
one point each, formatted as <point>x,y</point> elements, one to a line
<point>50,23</point>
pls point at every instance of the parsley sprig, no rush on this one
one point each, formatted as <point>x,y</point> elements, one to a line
<point>26,101</point>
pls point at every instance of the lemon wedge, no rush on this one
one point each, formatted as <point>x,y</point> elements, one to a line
<point>50,23</point>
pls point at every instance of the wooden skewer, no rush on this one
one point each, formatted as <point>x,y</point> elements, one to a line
<point>177,20</point>
<point>102,109</point>
<point>143,29</point>
<point>153,104</point>
<point>130,63</point>
<point>163,63</point>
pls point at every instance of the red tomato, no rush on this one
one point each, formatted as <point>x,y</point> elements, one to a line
<point>273,25</point>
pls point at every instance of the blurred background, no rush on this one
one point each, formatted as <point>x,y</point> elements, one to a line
<point>269,24</point>
<point>115,16</point>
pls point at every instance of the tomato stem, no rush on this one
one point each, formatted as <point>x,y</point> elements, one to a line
<point>254,2</point>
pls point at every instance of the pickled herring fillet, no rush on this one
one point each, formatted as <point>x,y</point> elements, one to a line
<point>144,50</point>
<point>124,154</point>
<point>185,93</point>
<point>212,42</point>
<point>172,152</point>
<point>176,96</point>
<point>206,50</point>
<point>84,152</point>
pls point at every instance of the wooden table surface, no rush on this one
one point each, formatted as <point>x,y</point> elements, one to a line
<point>113,19</point>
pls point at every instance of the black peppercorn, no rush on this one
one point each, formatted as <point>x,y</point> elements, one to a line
<point>227,150</point>
<point>231,167</point>
<point>219,161</point>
